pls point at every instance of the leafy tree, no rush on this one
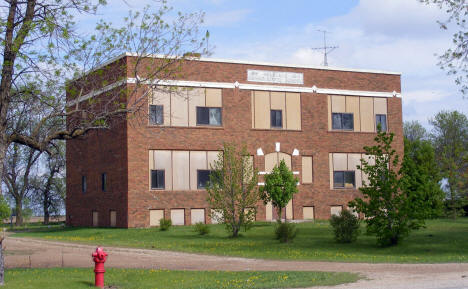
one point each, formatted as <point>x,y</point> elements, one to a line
<point>455,59</point>
<point>450,139</point>
<point>232,189</point>
<point>391,211</point>
<point>413,130</point>
<point>422,178</point>
<point>280,186</point>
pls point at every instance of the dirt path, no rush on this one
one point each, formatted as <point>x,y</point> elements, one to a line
<point>25,252</point>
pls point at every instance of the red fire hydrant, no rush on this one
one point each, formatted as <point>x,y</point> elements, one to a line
<point>99,257</point>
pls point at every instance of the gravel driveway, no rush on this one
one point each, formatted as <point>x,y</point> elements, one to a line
<point>26,252</point>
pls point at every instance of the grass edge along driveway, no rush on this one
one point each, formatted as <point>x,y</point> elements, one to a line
<point>443,241</point>
<point>72,278</point>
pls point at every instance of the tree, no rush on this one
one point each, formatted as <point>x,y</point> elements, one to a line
<point>19,168</point>
<point>391,211</point>
<point>422,178</point>
<point>455,59</point>
<point>49,187</point>
<point>450,139</point>
<point>413,130</point>
<point>280,186</point>
<point>232,189</point>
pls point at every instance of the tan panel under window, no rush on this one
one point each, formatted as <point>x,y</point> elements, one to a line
<point>335,210</point>
<point>293,111</point>
<point>286,158</point>
<point>197,216</point>
<point>249,210</point>
<point>214,97</point>
<point>95,219</point>
<point>197,162</point>
<point>216,216</point>
<point>308,213</point>
<point>340,162</point>
<point>196,97</point>
<point>354,160</point>
<point>338,103</point>
<point>289,211</point>
<point>371,161</point>
<point>380,105</point>
<point>306,170</point>
<point>163,161</point>
<point>162,97</point>
<point>178,217</point>
<point>249,167</point>
<point>262,109</point>
<point>180,165</point>
<point>155,216</point>
<point>367,114</point>
<point>179,101</point>
<point>269,211</point>
<point>352,106</point>
<point>113,218</point>
<point>271,160</point>
<point>212,157</point>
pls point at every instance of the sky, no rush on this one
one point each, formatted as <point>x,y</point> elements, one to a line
<point>396,35</point>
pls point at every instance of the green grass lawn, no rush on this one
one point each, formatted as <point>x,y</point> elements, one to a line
<point>72,278</point>
<point>442,241</point>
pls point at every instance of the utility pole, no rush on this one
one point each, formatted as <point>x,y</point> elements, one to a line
<point>326,49</point>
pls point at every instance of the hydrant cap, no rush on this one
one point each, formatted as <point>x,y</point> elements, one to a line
<point>99,254</point>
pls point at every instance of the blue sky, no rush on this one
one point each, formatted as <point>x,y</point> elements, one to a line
<point>396,35</point>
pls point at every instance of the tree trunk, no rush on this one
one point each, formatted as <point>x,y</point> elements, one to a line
<point>19,212</point>
<point>46,208</point>
<point>279,211</point>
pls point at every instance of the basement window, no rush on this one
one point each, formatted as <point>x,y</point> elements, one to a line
<point>157,179</point>
<point>342,121</point>
<point>344,180</point>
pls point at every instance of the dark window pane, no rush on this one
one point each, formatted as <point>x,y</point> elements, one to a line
<point>83,184</point>
<point>157,179</point>
<point>203,178</point>
<point>104,182</point>
<point>215,116</point>
<point>349,179</point>
<point>382,120</point>
<point>203,115</point>
<point>156,114</point>
<point>338,179</point>
<point>276,117</point>
<point>336,121</point>
<point>347,121</point>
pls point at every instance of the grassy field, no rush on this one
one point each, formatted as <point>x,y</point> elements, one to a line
<point>442,241</point>
<point>71,278</point>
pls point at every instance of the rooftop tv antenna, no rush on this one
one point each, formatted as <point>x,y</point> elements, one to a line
<point>326,49</point>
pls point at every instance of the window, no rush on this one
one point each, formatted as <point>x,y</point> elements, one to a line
<point>103,182</point>
<point>83,184</point>
<point>208,116</point>
<point>344,121</point>
<point>344,179</point>
<point>157,179</point>
<point>156,114</point>
<point>276,117</point>
<point>382,120</point>
<point>203,178</point>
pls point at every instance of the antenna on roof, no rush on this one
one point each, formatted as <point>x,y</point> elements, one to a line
<point>326,49</point>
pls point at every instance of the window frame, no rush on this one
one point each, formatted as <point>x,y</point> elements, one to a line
<point>150,115</point>
<point>341,114</point>
<point>163,178</point>
<point>344,179</point>
<point>208,108</point>
<point>271,118</point>
<point>380,115</point>
<point>199,187</point>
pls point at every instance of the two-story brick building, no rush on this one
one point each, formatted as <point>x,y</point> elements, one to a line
<point>155,165</point>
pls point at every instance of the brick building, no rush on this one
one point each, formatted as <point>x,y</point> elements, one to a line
<point>155,165</point>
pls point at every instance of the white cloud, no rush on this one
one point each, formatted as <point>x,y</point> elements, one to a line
<point>226,18</point>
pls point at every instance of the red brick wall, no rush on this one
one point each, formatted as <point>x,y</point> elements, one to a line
<point>137,139</point>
